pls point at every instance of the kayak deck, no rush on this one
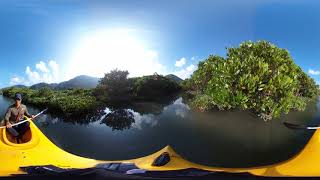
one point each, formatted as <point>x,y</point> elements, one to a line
<point>40,151</point>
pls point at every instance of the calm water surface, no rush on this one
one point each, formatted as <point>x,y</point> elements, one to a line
<point>228,139</point>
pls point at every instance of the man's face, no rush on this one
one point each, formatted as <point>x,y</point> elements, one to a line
<point>18,101</point>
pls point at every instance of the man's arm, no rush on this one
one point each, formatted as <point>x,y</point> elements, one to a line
<point>7,116</point>
<point>27,113</point>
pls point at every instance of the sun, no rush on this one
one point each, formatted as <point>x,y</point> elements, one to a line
<point>105,50</point>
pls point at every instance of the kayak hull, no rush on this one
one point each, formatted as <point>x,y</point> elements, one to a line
<point>40,151</point>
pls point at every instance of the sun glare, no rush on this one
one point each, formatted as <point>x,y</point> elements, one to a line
<point>103,51</point>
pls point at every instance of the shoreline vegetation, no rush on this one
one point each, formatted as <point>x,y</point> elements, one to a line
<point>256,76</point>
<point>121,92</point>
<point>68,102</point>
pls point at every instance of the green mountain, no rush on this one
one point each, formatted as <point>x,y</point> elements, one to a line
<point>43,85</point>
<point>82,81</point>
<point>19,86</point>
<point>174,78</point>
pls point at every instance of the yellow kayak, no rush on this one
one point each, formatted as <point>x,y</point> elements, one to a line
<point>37,151</point>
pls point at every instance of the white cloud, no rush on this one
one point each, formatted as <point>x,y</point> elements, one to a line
<point>186,72</point>
<point>314,72</point>
<point>54,70</point>
<point>16,80</point>
<point>33,76</point>
<point>181,62</point>
<point>42,67</point>
<point>43,72</point>
<point>191,68</point>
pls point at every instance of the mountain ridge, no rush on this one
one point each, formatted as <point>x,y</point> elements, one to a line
<point>81,81</point>
<point>174,78</point>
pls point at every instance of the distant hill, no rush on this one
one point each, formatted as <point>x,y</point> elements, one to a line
<point>82,81</point>
<point>20,86</point>
<point>174,78</point>
<point>43,85</point>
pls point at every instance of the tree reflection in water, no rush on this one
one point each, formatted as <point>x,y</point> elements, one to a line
<point>83,119</point>
<point>119,119</point>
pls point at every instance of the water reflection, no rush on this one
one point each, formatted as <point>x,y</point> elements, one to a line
<point>122,119</point>
<point>82,119</point>
<point>146,119</point>
<point>119,119</point>
<point>181,109</point>
<point>155,107</point>
<point>125,116</point>
<point>46,120</point>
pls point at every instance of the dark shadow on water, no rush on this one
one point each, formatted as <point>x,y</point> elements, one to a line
<point>119,119</point>
<point>154,106</point>
<point>84,119</point>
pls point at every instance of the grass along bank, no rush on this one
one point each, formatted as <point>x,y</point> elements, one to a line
<point>69,102</point>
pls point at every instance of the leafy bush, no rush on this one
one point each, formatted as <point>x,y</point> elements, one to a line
<point>117,88</point>
<point>257,76</point>
<point>114,87</point>
<point>154,87</point>
<point>69,102</point>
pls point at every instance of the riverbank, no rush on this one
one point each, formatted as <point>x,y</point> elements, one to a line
<point>111,92</point>
<point>69,102</point>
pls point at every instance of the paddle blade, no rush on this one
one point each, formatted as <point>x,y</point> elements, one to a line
<point>43,111</point>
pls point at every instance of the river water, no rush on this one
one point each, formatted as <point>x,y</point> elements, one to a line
<point>228,139</point>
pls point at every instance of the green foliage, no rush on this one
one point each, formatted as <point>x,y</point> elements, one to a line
<point>256,76</point>
<point>153,87</point>
<point>44,92</point>
<point>114,87</point>
<point>69,102</point>
<point>186,85</point>
<point>203,102</point>
<point>117,88</point>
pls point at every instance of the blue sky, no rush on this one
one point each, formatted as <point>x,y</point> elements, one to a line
<point>52,41</point>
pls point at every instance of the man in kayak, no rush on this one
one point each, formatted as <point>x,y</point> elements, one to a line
<point>14,114</point>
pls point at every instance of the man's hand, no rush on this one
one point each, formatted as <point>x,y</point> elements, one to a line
<point>32,117</point>
<point>9,125</point>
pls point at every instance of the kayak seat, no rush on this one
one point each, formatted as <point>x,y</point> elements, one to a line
<point>121,167</point>
<point>24,139</point>
<point>162,160</point>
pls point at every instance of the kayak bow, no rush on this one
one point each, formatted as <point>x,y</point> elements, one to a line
<point>38,150</point>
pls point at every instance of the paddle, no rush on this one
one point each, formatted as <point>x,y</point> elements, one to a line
<point>29,119</point>
<point>299,126</point>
